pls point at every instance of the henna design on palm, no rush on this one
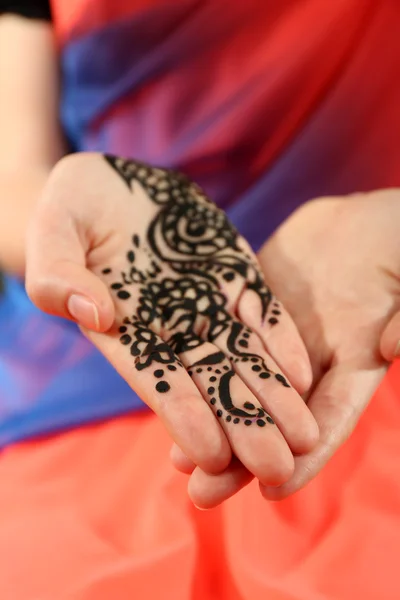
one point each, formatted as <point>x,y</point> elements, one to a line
<point>190,246</point>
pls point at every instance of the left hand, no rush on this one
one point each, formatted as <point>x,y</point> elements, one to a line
<point>339,261</point>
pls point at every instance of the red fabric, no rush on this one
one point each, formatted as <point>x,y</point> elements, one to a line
<point>99,514</point>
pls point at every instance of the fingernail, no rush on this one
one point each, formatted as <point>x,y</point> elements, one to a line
<point>397,350</point>
<point>84,311</point>
<point>198,508</point>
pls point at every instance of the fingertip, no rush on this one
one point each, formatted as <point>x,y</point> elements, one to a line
<point>280,492</point>
<point>300,371</point>
<point>273,494</point>
<point>281,472</point>
<point>194,429</point>
<point>208,491</point>
<point>180,461</point>
<point>390,339</point>
<point>307,438</point>
<point>215,462</point>
<point>73,292</point>
<point>84,311</point>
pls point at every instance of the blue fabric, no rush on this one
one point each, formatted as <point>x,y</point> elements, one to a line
<point>51,377</point>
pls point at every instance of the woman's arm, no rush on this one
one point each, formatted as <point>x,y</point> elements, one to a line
<point>31,141</point>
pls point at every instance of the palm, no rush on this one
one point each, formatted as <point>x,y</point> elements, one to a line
<point>334,264</point>
<point>341,305</point>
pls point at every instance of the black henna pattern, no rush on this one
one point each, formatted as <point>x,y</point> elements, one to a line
<point>198,244</point>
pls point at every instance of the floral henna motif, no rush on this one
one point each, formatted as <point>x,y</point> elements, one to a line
<point>190,245</point>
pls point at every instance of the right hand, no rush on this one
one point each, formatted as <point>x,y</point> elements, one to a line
<point>168,291</point>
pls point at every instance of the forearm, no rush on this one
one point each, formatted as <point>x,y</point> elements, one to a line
<point>19,191</point>
<point>31,141</point>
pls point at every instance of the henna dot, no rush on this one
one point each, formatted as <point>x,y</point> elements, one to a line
<point>116,286</point>
<point>212,401</point>
<point>106,271</point>
<point>228,418</point>
<point>125,339</point>
<point>229,276</point>
<point>162,387</point>
<point>199,370</point>
<point>265,375</point>
<point>246,335</point>
<point>273,321</point>
<point>243,343</point>
<point>209,368</point>
<point>219,372</point>
<point>254,360</point>
<point>131,256</point>
<point>190,373</point>
<point>219,413</point>
<point>236,421</point>
<point>135,240</point>
<point>276,312</point>
<point>249,405</point>
<point>122,329</point>
<point>123,295</point>
<point>256,368</point>
<point>270,420</point>
<point>260,423</point>
<point>245,359</point>
<point>213,378</point>
<point>171,368</point>
<point>158,373</point>
<point>247,422</point>
<point>210,390</point>
<point>282,380</point>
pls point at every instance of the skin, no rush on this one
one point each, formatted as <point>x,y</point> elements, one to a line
<point>30,133</point>
<point>346,307</point>
<point>32,142</point>
<point>80,244</point>
<point>31,138</point>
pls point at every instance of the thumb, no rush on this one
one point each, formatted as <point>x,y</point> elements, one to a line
<point>57,278</point>
<point>390,339</point>
<point>337,404</point>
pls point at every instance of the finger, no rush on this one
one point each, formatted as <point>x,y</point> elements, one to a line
<point>337,403</point>
<point>252,434</point>
<point>263,377</point>
<point>156,374</point>
<point>57,280</point>
<point>390,339</point>
<point>207,490</point>
<point>180,461</point>
<point>280,336</point>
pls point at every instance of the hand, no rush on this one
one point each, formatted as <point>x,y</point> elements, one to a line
<point>390,340</point>
<point>335,264</point>
<point>169,292</point>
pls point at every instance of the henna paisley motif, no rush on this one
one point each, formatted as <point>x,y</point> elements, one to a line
<point>191,246</point>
